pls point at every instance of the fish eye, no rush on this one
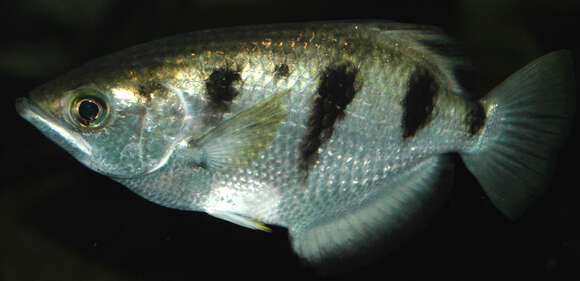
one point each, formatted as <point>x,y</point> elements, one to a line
<point>89,111</point>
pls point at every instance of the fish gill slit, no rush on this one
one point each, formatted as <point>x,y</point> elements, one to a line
<point>418,102</point>
<point>220,90</point>
<point>336,91</point>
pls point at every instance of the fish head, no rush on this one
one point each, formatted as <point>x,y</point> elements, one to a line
<point>116,125</point>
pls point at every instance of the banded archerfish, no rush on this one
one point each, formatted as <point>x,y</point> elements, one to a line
<point>339,131</point>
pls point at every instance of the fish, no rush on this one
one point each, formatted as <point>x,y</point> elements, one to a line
<point>343,132</point>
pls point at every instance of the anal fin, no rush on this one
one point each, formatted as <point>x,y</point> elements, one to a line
<point>346,242</point>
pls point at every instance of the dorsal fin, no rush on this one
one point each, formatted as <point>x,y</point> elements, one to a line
<point>434,50</point>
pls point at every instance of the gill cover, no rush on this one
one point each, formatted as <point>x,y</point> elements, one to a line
<point>117,131</point>
<point>141,134</point>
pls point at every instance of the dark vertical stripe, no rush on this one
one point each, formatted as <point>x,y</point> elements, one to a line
<point>146,89</point>
<point>418,102</point>
<point>281,70</point>
<point>219,88</point>
<point>475,118</point>
<point>335,91</point>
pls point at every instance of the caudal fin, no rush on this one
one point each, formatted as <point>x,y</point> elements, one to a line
<point>528,117</point>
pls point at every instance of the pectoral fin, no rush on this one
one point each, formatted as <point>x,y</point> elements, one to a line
<point>236,142</point>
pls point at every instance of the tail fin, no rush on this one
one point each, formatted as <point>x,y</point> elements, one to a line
<point>529,116</point>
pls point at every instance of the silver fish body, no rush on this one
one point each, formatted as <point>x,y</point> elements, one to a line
<point>338,131</point>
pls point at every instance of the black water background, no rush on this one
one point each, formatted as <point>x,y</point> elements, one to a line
<point>60,221</point>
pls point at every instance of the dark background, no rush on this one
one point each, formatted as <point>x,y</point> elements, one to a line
<point>60,221</point>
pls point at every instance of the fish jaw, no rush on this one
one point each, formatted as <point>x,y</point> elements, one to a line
<point>55,130</point>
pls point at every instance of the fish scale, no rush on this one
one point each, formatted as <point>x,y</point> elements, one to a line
<point>338,131</point>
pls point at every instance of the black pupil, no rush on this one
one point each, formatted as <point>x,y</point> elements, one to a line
<point>88,110</point>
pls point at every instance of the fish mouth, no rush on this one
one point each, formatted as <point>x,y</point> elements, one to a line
<point>54,129</point>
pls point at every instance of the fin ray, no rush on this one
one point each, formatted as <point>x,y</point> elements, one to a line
<point>344,242</point>
<point>444,57</point>
<point>239,220</point>
<point>529,115</point>
<point>236,142</point>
